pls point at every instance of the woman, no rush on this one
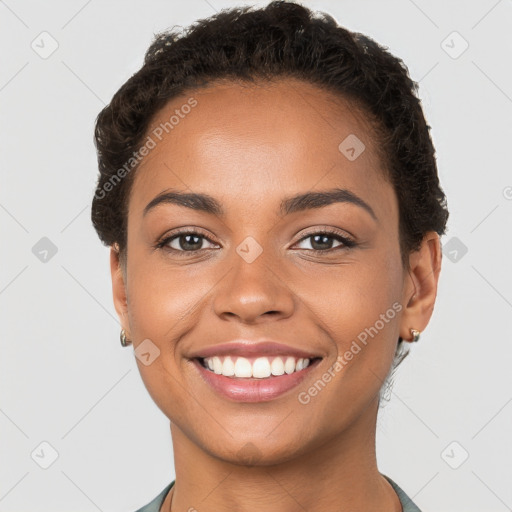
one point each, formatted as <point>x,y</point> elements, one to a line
<point>269,191</point>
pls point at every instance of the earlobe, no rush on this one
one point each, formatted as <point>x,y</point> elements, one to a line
<point>420,288</point>
<point>118,286</point>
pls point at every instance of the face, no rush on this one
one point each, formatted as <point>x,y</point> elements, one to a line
<point>320,275</point>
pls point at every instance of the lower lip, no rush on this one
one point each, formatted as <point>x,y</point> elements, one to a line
<point>251,389</point>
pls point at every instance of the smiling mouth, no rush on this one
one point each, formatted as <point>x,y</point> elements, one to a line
<point>238,367</point>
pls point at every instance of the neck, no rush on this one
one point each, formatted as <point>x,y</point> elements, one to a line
<point>340,475</point>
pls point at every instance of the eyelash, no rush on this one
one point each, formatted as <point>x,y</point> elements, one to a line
<point>347,242</point>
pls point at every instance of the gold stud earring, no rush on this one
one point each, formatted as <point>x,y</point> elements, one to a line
<point>124,340</point>
<point>415,335</point>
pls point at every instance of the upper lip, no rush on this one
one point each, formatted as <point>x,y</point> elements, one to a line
<point>250,348</point>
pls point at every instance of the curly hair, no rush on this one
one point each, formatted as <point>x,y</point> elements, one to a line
<point>283,39</point>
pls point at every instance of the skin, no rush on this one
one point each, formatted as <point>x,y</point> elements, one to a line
<point>249,147</point>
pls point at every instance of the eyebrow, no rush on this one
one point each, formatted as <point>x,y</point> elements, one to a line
<point>308,200</point>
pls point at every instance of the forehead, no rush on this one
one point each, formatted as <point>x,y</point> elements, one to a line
<point>261,141</point>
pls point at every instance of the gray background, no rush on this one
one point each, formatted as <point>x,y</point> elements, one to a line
<point>64,377</point>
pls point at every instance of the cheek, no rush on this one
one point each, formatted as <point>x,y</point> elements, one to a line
<point>165,304</point>
<point>359,308</point>
<point>160,305</point>
<point>353,297</point>
<point>162,299</point>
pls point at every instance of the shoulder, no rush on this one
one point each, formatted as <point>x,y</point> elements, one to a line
<point>407,504</point>
<point>155,504</point>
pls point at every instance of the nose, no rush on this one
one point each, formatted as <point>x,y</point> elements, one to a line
<point>253,292</point>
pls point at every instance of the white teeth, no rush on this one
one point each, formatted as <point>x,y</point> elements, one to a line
<point>277,366</point>
<point>289,366</point>
<point>260,368</point>
<point>217,365</point>
<point>243,367</point>
<point>301,364</point>
<point>228,367</point>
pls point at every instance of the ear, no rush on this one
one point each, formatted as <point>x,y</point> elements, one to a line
<point>118,287</point>
<point>420,286</point>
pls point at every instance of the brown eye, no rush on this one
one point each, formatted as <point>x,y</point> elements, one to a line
<point>186,241</point>
<point>323,241</point>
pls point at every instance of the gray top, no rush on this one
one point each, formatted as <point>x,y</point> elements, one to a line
<point>407,504</point>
